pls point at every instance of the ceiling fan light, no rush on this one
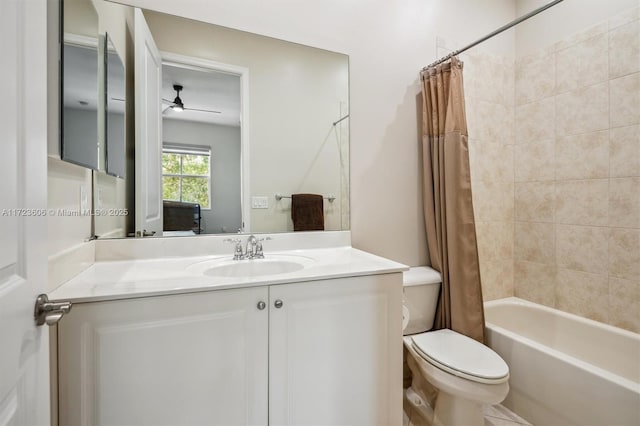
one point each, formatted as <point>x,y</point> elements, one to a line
<point>177,104</point>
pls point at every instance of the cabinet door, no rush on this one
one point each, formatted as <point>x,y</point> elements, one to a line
<point>191,359</point>
<point>335,352</point>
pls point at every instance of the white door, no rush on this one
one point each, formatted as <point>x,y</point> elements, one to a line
<point>148,81</point>
<point>24,348</point>
<point>335,352</point>
<point>189,359</point>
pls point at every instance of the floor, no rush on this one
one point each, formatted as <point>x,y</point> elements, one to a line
<point>494,415</point>
<point>497,415</point>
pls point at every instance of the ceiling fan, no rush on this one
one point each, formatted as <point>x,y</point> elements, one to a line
<point>178,105</point>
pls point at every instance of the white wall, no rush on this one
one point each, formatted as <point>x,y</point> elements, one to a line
<point>387,43</point>
<point>563,20</point>
<point>225,214</point>
<point>63,194</point>
<point>80,18</point>
<point>114,19</point>
<point>109,197</point>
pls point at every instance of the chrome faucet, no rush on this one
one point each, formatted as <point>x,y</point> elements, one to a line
<point>253,248</point>
<point>252,244</point>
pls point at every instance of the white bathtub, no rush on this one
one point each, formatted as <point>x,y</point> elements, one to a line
<point>565,370</point>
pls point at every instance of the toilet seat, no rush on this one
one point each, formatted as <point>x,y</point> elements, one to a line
<point>461,356</point>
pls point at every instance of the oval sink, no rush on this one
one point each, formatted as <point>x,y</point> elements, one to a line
<point>272,265</point>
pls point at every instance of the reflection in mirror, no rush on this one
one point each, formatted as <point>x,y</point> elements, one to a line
<point>79,121</point>
<point>201,149</point>
<point>246,117</point>
<point>115,101</point>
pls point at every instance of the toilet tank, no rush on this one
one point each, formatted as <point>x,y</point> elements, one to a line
<point>421,288</point>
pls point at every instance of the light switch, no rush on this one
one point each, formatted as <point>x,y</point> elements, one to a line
<point>259,202</point>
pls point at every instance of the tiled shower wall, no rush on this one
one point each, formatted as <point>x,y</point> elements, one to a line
<point>554,143</point>
<point>489,87</point>
<point>577,174</point>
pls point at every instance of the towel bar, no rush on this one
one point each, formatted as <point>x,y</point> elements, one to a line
<point>329,197</point>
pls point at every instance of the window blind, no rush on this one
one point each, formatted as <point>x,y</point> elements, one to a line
<point>175,148</point>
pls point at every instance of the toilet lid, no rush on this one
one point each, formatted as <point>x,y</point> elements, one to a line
<point>461,356</point>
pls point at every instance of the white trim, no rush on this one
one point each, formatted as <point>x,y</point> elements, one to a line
<point>148,132</point>
<point>80,40</point>
<point>190,62</point>
<point>181,176</point>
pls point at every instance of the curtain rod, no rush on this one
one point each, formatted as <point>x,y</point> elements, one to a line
<point>494,33</point>
<point>343,118</point>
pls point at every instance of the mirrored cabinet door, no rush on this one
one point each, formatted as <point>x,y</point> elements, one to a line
<point>79,81</point>
<point>115,111</point>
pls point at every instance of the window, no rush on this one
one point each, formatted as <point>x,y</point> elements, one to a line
<point>186,174</point>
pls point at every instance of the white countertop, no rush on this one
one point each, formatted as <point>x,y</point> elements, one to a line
<point>124,279</point>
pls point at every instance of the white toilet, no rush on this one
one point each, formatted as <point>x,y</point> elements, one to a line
<point>465,373</point>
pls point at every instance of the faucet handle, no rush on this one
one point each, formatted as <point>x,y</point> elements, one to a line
<point>236,241</point>
<point>259,254</point>
<point>237,254</point>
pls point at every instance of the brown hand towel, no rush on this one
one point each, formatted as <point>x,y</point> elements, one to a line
<point>307,212</point>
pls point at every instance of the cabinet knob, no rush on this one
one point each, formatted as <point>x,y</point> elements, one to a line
<point>261,305</point>
<point>278,304</point>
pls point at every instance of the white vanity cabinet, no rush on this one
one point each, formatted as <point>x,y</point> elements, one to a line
<point>335,352</point>
<point>188,359</point>
<point>323,352</point>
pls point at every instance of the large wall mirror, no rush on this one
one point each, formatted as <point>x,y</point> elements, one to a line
<point>228,125</point>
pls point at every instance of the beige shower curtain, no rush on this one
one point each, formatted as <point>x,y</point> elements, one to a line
<point>448,209</point>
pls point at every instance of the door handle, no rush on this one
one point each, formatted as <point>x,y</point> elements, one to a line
<point>49,313</point>
<point>278,304</point>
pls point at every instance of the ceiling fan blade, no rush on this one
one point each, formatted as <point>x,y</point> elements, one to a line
<point>167,108</point>
<point>178,103</point>
<point>203,110</point>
